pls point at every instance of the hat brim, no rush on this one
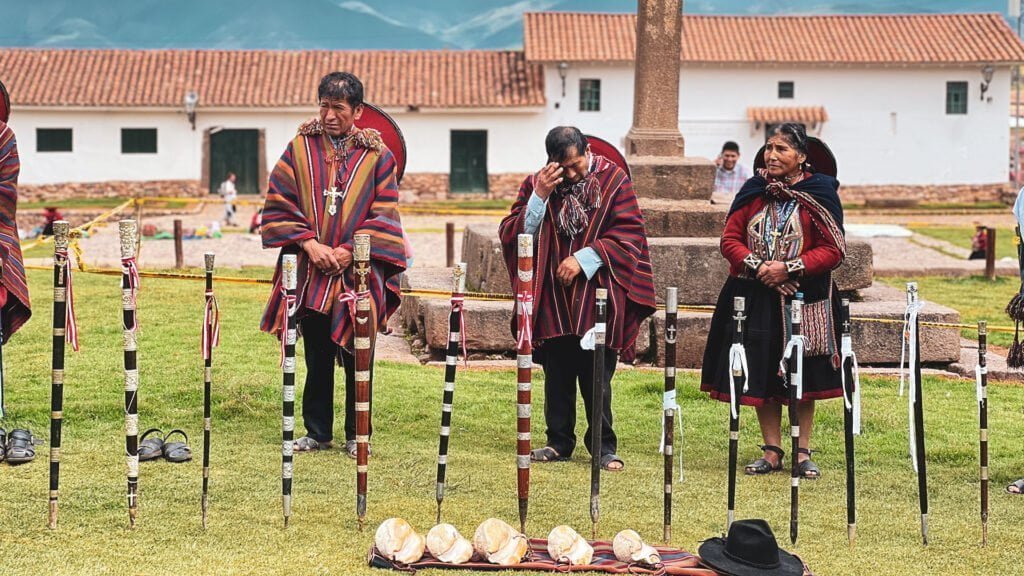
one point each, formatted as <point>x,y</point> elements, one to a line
<point>379,120</point>
<point>5,104</point>
<point>712,554</point>
<point>605,148</point>
<point>819,156</point>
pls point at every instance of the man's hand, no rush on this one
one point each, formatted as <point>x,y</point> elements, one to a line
<point>321,256</point>
<point>546,180</point>
<point>568,270</point>
<point>343,256</point>
<point>774,275</point>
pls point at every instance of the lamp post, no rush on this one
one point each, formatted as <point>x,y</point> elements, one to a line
<point>563,70</point>
<point>191,101</point>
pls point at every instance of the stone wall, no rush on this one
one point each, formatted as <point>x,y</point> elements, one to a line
<point>48,192</point>
<point>960,193</point>
<point>428,187</point>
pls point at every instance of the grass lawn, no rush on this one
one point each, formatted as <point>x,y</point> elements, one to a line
<point>961,236</point>
<point>75,203</point>
<point>245,534</point>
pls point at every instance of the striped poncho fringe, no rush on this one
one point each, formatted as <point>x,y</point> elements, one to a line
<point>296,210</point>
<point>18,309</point>
<point>616,232</point>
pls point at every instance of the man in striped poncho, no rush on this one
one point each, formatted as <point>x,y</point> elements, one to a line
<point>589,234</point>
<point>333,181</point>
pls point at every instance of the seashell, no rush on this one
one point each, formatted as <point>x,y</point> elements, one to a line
<point>630,548</point>
<point>566,545</point>
<point>447,545</point>
<point>396,540</point>
<point>499,543</point>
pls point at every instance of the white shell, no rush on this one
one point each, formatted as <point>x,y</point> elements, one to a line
<point>447,545</point>
<point>629,547</point>
<point>396,540</point>
<point>566,545</point>
<point>499,543</point>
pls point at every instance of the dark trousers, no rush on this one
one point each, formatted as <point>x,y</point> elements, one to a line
<point>565,364</point>
<point>318,394</point>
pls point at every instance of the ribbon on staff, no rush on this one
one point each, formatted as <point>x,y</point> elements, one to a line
<point>737,367</point>
<point>211,326</point>
<point>70,322</point>
<point>458,304</point>
<point>131,269</point>
<point>668,402</point>
<point>290,303</point>
<point>847,352</point>
<point>908,355</point>
<point>795,344</point>
<point>524,308</point>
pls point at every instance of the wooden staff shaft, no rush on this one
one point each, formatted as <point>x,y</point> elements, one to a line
<point>922,470</point>
<point>983,425</point>
<point>739,307</point>
<point>669,403</point>
<point>208,259</point>
<point>597,406</point>
<point>127,230</point>
<point>524,372</point>
<point>288,279</point>
<point>794,424</point>
<point>451,361</point>
<point>363,353</point>
<point>851,488</point>
<point>60,269</point>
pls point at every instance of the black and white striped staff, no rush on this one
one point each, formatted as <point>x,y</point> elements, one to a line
<point>524,371</point>
<point>288,336</point>
<point>912,351</point>
<point>668,404</point>
<point>210,339</point>
<point>363,338</point>
<point>738,372</point>
<point>850,377</point>
<point>456,336</point>
<point>127,230</point>
<point>62,312</point>
<point>795,351</point>
<point>597,405</point>
<point>981,373</point>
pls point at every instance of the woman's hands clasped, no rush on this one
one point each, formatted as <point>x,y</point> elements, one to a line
<point>774,274</point>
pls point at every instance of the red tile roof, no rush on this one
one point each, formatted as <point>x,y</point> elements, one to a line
<point>862,39</point>
<point>263,78</point>
<point>779,114</point>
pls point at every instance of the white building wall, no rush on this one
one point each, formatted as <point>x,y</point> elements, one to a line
<point>886,125</point>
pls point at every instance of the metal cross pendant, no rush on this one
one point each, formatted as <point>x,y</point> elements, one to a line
<point>846,326</point>
<point>670,334</point>
<point>332,196</point>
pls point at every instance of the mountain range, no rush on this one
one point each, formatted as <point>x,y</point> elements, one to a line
<point>355,24</point>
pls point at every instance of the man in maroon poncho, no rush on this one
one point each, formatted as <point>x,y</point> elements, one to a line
<point>589,234</point>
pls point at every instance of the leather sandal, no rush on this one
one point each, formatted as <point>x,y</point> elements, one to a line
<point>151,448</point>
<point>808,470</point>
<point>1018,485</point>
<point>3,444</point>
<point>177,451</point>
<point>351,446</point>
<point>762,466</point>
<point>20,446</point>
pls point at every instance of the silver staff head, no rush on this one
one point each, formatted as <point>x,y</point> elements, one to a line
<point>525,245</point>
<point>671,300</point>
<point>289,271</point>
<point>844,302</point>
<point>127,231</point>
<point>459,278</point>
<point>601,293</point>
<point>911,292</point>
<point>61,230</point>
<point>208,261</point>
<point>982,327</point>
<point>797,307</point>
<point>361,248</point>
<point>739,304</point>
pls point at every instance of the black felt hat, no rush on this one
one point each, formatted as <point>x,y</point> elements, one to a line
<point>819,156</point>
<point>750,549</point>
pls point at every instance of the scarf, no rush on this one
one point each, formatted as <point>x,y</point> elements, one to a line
<point>577,201</point>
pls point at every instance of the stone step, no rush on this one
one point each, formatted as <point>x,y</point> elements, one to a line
<point>874,342</point>
<point>674,178</point>
<point>485,268</point>
<point>688,218</point>
<point>696,267</point>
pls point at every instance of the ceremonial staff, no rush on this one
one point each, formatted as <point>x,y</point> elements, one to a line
<point>524,371</point>
<point>63,328</point>
<point>669,401</point>
<point>737,373</point>
<point>917,406</point>
<point>982,380</point>
<point>795,349</point>
<point>597,406</point>
<point>210,339</point>
<point>127,230</point>
<point>456,335</point>
<point>851,416</point>
<point>288,337</point>
<point>363,352</point>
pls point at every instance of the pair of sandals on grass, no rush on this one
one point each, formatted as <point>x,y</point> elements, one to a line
<point>807,469</point>
<point>1016,488</point>
<point>18,447</point>
<point>609,462</point>
<point>154,444</point>
<point>307,444</point>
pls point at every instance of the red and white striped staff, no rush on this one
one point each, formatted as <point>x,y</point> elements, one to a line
<point>363,338</point>
<point>524,372</point>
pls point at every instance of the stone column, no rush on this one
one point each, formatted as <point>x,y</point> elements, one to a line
<point>655,130</point>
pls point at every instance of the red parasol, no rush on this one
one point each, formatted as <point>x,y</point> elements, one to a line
<point>606,149</point>
<point>379,120</point>
<point>5,104</point>
<point>819,156</point>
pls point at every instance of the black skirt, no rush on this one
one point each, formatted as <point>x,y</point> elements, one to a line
<point>764,342</point>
